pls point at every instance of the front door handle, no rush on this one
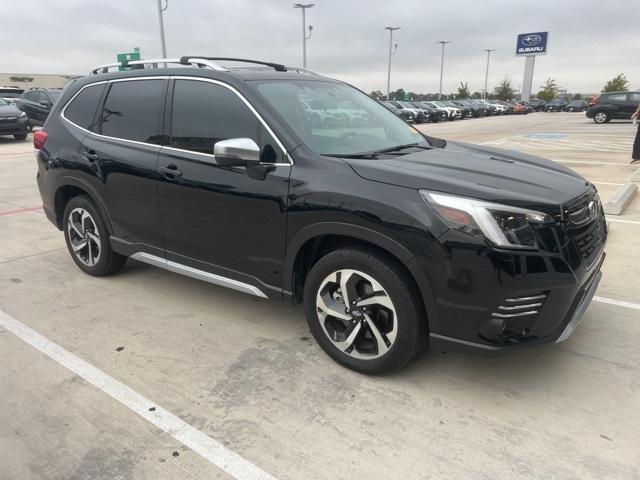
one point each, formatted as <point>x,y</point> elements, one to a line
<point>170,172</point>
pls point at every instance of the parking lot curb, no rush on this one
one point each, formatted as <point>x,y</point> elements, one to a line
<point>616,204</point>
<point>635,177</point>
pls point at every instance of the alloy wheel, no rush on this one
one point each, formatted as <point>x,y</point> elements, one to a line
<point>356,314</point>
<point>84,237</point>
<point>600,117</point>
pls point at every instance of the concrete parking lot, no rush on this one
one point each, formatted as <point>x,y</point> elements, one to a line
<point>243,372</point>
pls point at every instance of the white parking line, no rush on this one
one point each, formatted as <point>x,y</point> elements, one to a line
<point>634,222</point>
<point>619,303</point>
<point>213,451</point>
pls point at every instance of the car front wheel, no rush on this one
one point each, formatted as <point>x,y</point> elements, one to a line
<point>364,310</point>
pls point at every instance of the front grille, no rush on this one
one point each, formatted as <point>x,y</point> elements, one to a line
<point>7,119</point>
<point>586,223</point>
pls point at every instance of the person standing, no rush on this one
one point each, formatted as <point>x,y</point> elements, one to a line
<point>635,155</point>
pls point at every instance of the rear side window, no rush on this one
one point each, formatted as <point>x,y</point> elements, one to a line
<point>635,97</point>
<point>617,97</point>
<point>132,110</point>
<point>82,109</point>
<point>205,113</point>
<point>31,96</point>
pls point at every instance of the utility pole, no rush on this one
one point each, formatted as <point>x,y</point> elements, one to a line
<point>392,52</point>
<point>162,42</point>
<point>443,43</point>
<point>305,37</point>
<point>486,75</point>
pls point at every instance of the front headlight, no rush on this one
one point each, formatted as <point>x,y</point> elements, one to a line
<point>22,115</point>
<point>502,225</point>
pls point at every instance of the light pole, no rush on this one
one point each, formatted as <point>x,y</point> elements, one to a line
<point>443,43</point>
<point>391,53</point>
<point>486,75</point>
<point>162,42</point>
<point>305,37</point>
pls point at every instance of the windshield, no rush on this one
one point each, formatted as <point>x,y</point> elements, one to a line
<point>3,101</point>
<point>335,119</point>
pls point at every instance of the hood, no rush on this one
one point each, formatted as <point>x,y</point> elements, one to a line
<point>480,172</point>
<point>9,110</point>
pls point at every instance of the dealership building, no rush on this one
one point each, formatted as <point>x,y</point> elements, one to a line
<point>34,80</point>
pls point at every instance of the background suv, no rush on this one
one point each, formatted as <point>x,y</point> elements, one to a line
<point>613,105</point>
<point>37,103</point>
<point>392,239</point>
<point>12,121</point>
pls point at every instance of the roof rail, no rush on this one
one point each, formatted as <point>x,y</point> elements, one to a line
<point>302,70</point>
<point>276,66</point>
<point>156,62</point>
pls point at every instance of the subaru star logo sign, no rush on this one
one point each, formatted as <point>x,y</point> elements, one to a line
<point>531,40</point>
<point>532,43</point>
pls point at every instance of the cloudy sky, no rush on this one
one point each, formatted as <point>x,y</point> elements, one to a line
<point>590,41</point>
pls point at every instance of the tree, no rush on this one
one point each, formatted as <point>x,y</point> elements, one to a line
<point>618,83</point>
<point>577,96</point>
<point>397,95</point>
<point>504,91</point>
<point>549,90</point>
<point>463,90</point>
<point>476,95</point>
<point>376,95</point>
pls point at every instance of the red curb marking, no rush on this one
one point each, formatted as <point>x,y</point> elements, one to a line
<point>21,210</point>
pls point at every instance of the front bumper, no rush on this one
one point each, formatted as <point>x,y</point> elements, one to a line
<point>14,126</point>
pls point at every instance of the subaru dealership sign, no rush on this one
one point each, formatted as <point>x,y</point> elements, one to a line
<point>532,43</point>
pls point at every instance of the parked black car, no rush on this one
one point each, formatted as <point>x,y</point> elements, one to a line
<point>37,103</point>
<point>11,94</point>
<point>613,105</point>
<point>12,121</point>
<point>577,106</point>
<point>537,104</point>
<point>391,238</point>
<point>404,113</point>
<point>477,110</point>
<point>557,105</point>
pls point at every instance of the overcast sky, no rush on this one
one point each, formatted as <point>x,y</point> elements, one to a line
<point>590,41</point>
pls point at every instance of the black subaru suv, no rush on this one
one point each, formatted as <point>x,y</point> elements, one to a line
<point>392,239</point>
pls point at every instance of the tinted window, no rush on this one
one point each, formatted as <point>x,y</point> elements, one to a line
<point>82,109</point>
<point>42,97</point>
<point>31,96</point>
<point>204,113</point>
<point>635,97</point>
<point>618,97</point>
<point>132,110</point>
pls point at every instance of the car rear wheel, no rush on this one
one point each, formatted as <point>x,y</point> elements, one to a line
<point>601,117</point>
<point>87,238</point>
<point>20,136</point>
<point>364,310</point>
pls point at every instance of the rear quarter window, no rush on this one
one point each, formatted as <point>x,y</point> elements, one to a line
<point>82,109</point>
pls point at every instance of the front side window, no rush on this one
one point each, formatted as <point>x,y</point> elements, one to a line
<point>82,109</point>
<point>132,110</point>
<point>204,113</point>
<point>335,119</point>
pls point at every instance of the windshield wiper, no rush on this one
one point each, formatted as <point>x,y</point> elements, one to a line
<point>397,148</point>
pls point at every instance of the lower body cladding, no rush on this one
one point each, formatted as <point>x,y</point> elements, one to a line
<point>490,300</point>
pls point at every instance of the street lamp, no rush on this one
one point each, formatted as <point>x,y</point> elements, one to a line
<point>305,37</point>
<point>392,52</point>
<point>162,42</point>
<point>443,43</point>
<point>486,75</point>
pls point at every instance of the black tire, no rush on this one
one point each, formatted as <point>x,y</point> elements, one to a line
<point>601,116</point>
<point>411,323</point>
<point>20,136</point>
<point>108,261</point>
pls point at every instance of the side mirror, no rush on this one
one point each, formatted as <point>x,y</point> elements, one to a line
<point>236,152</point>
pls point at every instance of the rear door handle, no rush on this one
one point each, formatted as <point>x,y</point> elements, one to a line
<point>170,172</point>
<point>90,155</point>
